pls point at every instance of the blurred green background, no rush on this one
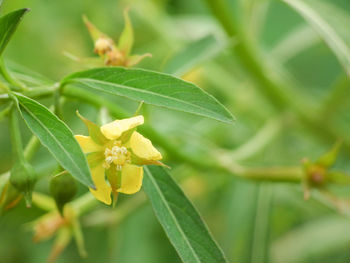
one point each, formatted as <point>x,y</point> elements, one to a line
<point>253,222</point>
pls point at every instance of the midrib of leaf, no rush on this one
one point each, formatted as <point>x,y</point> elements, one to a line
<point>172,215</point>
<point>338,42</point>
<point>144,91</point>
<point>49,132</point>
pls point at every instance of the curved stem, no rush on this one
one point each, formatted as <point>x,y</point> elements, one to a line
<point>259,140</point>
<point>270,87</point>
<point>7,76</point>
<point>31,148</point>
<point>273,174</point>
<point>41,92</point>
<point>16,139</point>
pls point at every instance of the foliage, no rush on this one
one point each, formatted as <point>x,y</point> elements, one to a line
<point>268,185</point>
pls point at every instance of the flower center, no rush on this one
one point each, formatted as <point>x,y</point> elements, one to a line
<point>117,155</point>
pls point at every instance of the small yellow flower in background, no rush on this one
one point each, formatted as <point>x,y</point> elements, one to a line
<point>117,151</point>
<point>115,54</point>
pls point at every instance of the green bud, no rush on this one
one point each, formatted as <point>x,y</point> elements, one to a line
<point>23,178</point>
<point>63,188</point>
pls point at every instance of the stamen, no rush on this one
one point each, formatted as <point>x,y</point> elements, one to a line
<point>123,150</point>
<point>117,155</point>
<point>107,152</point>
<point>109,159</point>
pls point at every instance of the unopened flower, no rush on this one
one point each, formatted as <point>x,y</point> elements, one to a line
<point>115,54</point>
<point>319,174</point>
<point>103,45</point>
<point>116,151</point>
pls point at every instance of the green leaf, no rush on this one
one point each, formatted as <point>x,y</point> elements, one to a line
<point>179,219</point>
<point>329,21</point>
<point>57,137</point>
<point>192,55</point>
<point>151,87</point>
<point>8,25</point>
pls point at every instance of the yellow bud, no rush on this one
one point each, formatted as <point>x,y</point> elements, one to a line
<point>103,45</point>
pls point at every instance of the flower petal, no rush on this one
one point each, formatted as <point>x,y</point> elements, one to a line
<point>143,148</point>
<point>114,129</point>
<point>103,190</point>
<point>87,144</point>
<point>131,179</point>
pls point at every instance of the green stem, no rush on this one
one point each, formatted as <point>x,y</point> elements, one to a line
<point>33,93</point>
<point>259,140</point>
<point>41,92</point>
<point>16,139</point>
<point>84,203</point>
<point>270,87</point>
<point>7,76</point>
<point>31,148</point>
<point>273,174</point>
<point>117,215</point>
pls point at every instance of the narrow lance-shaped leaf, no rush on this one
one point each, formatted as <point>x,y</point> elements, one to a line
<point>179,219</point>
<point>57,137</point>
<point>330,22</point>
<point>151,87</point>
<point>8,25</point>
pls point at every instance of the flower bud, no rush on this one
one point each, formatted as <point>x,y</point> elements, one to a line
<point>23,178</point>
<point>103,45</point>
<point>63,188</point>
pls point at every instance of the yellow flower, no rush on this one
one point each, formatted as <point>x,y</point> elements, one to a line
<point>116,151</point>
